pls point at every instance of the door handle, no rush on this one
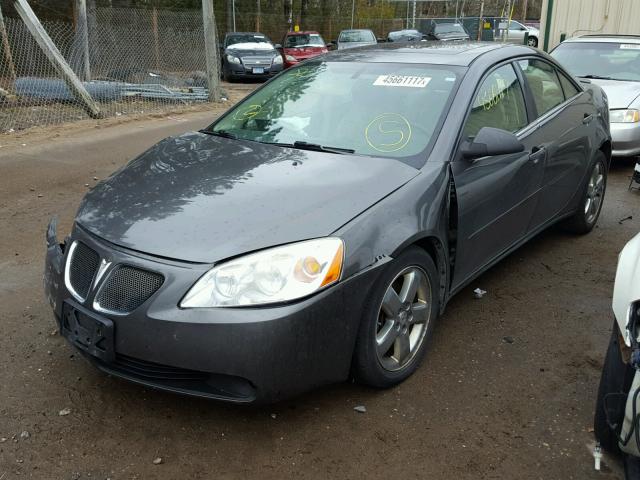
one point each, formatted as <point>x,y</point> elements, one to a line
<point>537,153</point>
<point>587,118</point>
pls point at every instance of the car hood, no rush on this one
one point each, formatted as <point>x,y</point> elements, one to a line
<point>304,52</point>
<point>202,198</point>
<point>620,94</point>
<point>452,36</point>
<point>246,52</point>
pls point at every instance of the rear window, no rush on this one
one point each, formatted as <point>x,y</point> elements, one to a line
<point>357,36</point>
<point>618,61</point>
<point>304,40</point>
<point>376,109</point>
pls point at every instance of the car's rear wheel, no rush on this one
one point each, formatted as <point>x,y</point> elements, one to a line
<point>397,321</point>
<point>587,214</point>
<point>532,41</point>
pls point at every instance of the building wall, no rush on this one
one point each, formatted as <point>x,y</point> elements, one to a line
<point>582,17</point>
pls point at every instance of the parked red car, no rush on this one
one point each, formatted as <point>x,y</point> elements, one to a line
<point>299,46</point>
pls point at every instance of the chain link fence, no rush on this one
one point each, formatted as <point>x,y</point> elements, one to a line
<point>139,61</point>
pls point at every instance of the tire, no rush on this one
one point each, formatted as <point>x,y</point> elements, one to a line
<point>586,217</point>
<point>616,377</point>
<point>395,329</point>
<point>532,42</point>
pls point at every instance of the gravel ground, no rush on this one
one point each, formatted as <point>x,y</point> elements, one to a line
<point>507,390</point>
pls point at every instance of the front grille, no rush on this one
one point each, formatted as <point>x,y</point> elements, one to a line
<point>127,288</point>
<point>256,61</point>
<point>82,268</point>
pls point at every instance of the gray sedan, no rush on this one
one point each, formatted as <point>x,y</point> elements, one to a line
<point>355,38</point>
<point>613,63</point>
<point>318,229</point>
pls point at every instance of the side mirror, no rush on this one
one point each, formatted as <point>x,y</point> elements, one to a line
<point>492,141</point>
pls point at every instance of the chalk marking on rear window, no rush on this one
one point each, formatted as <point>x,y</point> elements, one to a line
<point>413,81</point>
<point>247,113</point>
<point>630,46</point>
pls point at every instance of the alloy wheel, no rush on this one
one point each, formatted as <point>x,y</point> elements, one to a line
<point>595,193</point>
<point>403,318</point>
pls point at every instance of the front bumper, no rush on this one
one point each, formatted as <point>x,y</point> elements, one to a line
<point>626,139</point>
<point>235,354</point>
<point>248,71</point>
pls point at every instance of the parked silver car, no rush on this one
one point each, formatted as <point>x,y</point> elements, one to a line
<point>516,34</point>
<point>613,63</point>
<point>356,38</point>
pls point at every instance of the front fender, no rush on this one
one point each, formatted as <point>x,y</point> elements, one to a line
<point>627,285</point>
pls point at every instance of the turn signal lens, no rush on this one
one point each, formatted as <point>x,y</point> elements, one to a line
<point>624,116</point>
<point>274,275</point>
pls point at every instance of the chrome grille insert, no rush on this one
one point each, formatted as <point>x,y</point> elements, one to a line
<point>126,288</point>
<point>80,270</point>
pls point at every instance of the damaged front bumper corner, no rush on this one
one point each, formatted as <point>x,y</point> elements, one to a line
<point>53,266</point>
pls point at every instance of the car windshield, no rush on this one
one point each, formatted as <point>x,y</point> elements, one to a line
<point>449,28</point>
<point>616,61</point>
<point>375,109</point>
<point>304,40</point>
<point>358,36</point>
<point>247,38</point>
<point>403,35</point>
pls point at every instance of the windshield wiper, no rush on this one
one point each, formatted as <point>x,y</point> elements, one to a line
<point>219,133</point>
<point>315,147</point>
<point>596,77</point>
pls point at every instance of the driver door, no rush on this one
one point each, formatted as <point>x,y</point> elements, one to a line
<point>496,195</point>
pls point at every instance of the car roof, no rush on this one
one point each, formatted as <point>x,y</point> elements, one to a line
<point>231,34</point>
<point>604,38</point>
<point>355,30</point>
<point>456,53</point>
<point>306,32</point>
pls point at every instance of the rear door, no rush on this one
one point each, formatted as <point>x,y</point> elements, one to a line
<point>496,195</point>
<point>565,120</point>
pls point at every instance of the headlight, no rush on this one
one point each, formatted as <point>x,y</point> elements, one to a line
<point>624,116</point>
<point>274,275</point>
<point>291,58</point>
<point>277,60</point>
<point>233,59</point>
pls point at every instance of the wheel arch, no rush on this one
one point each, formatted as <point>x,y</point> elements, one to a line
<point>606,148</point>
<point>436,249</point>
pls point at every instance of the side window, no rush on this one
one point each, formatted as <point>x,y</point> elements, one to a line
<point>544,84</point>
<point>499,103</point>
<point>569,88</point>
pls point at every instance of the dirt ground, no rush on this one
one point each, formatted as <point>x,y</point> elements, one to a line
<point>506,392</point>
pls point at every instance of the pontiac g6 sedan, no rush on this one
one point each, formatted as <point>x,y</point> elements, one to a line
<point>317,230</point>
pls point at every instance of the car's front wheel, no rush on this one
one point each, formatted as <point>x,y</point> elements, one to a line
<point>532,41</point>
<point>398,320</point>
<point>588,212</point>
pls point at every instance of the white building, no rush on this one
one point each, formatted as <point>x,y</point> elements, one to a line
<point>569,18</point>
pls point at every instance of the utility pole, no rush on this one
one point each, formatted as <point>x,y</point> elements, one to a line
<point>49,48</point>
<point>6,48</point>
<point>82,30</point>
<point>257,15</point>
<point>211,50</point>
<point>525,4</point>
<point>413,22</point>
<point>233,9</point>
<point>353,11</point>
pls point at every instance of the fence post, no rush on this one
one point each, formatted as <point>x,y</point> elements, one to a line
<point>6,47</point>
<point>156,41</point>
<point>211,50</point>
<point>83,34</point>
<point>55,57</point>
